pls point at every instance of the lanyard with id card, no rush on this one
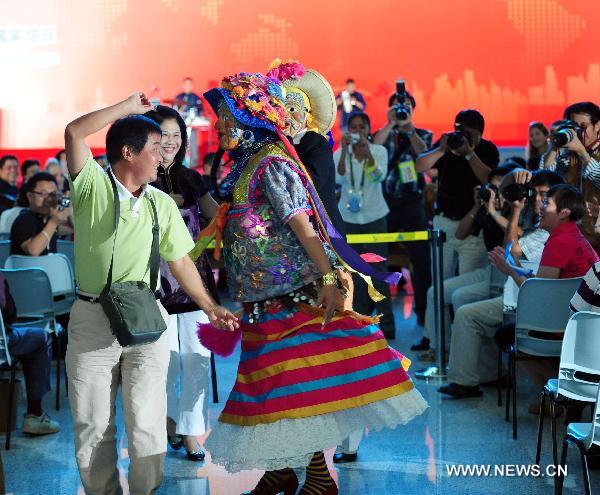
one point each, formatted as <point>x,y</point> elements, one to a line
<point>406,172</point>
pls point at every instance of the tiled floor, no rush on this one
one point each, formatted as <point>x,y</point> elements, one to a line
<point>409,460</point>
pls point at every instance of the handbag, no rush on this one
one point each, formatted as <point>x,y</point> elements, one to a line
<point>131,307</point>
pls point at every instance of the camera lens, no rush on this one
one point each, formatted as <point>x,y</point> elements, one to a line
<point>563,137</point>
<point>401,112</point>
<point>456,139</point>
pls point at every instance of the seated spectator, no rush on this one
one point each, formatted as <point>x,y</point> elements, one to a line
<point>9,173</point>
<point>34,231</point>
<point>54,168</point>
<point>61,158</point>
<point>587,297</point>
<point>566,254</point>
<point>33,348</point>
<point>485,218</point>
<point>538,145</point>
<point>28,169</point>
<point>361,167</point>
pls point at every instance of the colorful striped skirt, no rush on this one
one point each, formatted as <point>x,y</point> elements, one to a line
<point>302,388</point>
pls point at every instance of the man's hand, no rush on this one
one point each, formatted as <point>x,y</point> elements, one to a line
<point>575,145</point>
<point>522,176</point>
<point>138,103</point>
<point>496,257</point>
<point>476,198</point>
<point>443,144</point>
<point>60,217</point>
<point>491,204</point>
<point>464,150</point>
<point>593,208</point>
<point>518,205</point>
<point>391,117</point>
<point>222,318</point>
<point>329,297</point>
<point>346,139</point>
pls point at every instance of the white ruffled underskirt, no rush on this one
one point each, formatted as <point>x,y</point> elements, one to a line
<point>290,443</point>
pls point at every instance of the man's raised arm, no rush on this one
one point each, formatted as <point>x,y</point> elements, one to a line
<point>76,132</point>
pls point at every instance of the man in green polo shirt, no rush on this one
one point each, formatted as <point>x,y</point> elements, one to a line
<point>96,363</point>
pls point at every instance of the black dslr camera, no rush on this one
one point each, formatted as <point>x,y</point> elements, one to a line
<point>566,132</point>
<point>457,138</point>
<point>518,192</point>
<point>402,111</point>
<point>485,193</point>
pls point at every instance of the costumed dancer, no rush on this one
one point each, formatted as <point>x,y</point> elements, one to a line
<point>307,377</point>
<point>310,112</point>
<point>189,365</point>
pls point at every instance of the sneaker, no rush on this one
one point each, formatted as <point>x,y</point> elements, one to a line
<point>427,356</point>
<point>40,425</point>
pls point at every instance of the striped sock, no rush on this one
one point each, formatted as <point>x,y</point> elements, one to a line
<point>318,478</point>
<point>272,480</point>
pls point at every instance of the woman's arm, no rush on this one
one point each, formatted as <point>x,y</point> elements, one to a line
<point>329,295</point>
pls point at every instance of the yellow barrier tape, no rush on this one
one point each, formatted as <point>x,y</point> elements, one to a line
<point>384,237</point>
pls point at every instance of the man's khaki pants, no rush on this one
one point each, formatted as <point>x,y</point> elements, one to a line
<point>96,365</point>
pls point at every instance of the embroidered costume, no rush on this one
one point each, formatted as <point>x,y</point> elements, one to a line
<point>300,388</point>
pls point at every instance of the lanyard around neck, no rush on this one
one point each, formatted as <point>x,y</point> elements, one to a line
<point>362,179</point>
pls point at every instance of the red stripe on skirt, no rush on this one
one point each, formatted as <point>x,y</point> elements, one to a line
<point>310,373</point>
<point>314,348</point>
<point>317,397</point>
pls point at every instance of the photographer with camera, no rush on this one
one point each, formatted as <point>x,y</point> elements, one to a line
<point>361,167</point>
<point>403,187</point>
<point>576,155</point>
<point>35,230</point>
<point>463,160</point>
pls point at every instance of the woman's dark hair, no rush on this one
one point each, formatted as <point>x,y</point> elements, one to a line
<point>360,115</point>
<point>57,156</point>
<point>540,126</point>
<point>568,197</point>
<point>131,131</point>
<point>163,113</point>
<point>28,163</point>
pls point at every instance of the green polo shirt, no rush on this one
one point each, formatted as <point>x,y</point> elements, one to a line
<point>94,216</point>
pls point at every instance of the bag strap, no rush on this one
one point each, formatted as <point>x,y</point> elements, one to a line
<point>154,260</point>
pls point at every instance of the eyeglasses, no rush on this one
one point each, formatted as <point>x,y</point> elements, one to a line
<point>45,194</point>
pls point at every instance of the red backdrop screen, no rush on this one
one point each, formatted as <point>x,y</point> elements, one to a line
<point>514,60</point>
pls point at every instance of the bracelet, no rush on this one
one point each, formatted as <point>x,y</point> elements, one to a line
<point>46,234</point>
<point>329,279</point>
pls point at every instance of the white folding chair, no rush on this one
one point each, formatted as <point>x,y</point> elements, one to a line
<point>68,249</point>
<point>582,436</point>
<point>60,272</point>
<point>8,217</point>
<point>542,313</point>
<point>7,363</point>
<point>578,375</point>
<point>32,292</point>
<point>4,251</point>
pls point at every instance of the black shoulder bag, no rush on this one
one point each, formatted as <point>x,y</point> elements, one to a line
<point>131,307</point>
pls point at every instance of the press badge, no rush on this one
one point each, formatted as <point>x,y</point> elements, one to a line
<point>407,172</point>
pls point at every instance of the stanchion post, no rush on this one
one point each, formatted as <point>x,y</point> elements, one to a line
<point>436,245</point>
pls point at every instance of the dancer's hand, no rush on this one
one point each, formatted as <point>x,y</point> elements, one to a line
<point>329,297</point>
<point>222,318</point>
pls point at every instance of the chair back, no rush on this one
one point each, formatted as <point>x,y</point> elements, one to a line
<point>31,290</point>
<point>56,265</point>
<point>543,307</point>
<point>4,251</point>
<point>4,354</point>
<point>8,217</point>
<point>579,372</point>
<point>593,437</point>
<point>68,249</point>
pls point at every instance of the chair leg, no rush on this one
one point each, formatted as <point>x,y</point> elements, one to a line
<point>499,384</point>
<point>584,467</point>
<point>58,352</point>
<point>538,450</point>
<point>11,392</point>
<point>559,480</point>
<point>508,387</point>
<point>553,426</point>
<point>514,396</point>
<point>213,376</point>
